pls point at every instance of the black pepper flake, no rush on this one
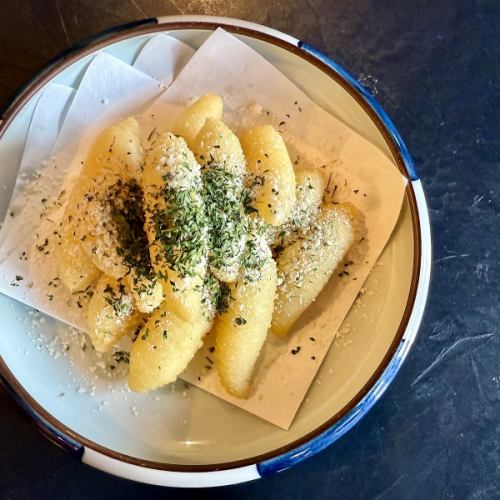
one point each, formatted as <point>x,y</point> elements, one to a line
<point>19,278</point>
<point>208,367</point>
<point>110,150</point>
<point>313,358</point>
<point>239,321</point>
<point>355,191</point>
<point>199,379</point>
<point>151,133</point>
<point>296,350</point>
<point>209,360</point>
<point>41,247</point>
<point>211,349</point>
<point>328,183</point>
<point>312,339</point>
<point>281,123</point>
<point>287,115</point>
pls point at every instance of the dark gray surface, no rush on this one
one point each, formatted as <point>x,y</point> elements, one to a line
<point>436,67</point>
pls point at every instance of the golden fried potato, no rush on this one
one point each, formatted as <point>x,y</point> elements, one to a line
<point>147,292</point>
<point>76,269</point>
<point>193,117</point>
<point>91,213</point>
<point>117,148</point>
<point>104,193</point>
<point>306,265</point>
<point>163,349</point>
<point>216,144</point>
<point>242,329</point>
<point>176,224</point>
<point>274,178</point>
<point>309,193</point>
<point>223,166</point>
<point>110,314</point>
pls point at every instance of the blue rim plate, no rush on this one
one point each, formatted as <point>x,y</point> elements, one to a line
<point>331,430</point>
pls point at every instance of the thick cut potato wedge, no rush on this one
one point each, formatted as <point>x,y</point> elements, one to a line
<point>216,144</point>
<point>111,313</point>
<point>305,266</point>
<point>117,148</point>
<point>274,178</point>
<point>176,224</point>
<point>163,349</point>
<point>106,214</point>
<point>103,192</point>
<point>193,117</point>
<point>242,329</point>
<point>91,214</point>
<point>223,166</point>
<point>147,292</point>
<point>309,193</point>
<point>76,269</point>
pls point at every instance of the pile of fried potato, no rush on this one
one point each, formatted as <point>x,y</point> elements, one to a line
<point>196,230</point>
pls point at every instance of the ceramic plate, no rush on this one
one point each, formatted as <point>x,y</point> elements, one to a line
<point>184,436</point>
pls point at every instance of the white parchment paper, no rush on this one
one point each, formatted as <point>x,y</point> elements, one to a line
<point>163,57</point>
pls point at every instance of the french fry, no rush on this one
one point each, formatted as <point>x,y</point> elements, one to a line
<point>242,329</point>
<point>223,166</point>
<point>306,265</point>
<point>163,349</point>
<point>176,224</point>
<point>106,216</point>
<point>193,117</point>
<point>76,269</point>
<point>118,149</point>
<point>147,291</point>
<point>102,194</point>
<point>111,313</point>
<point>309,193</point>
<point>274,178</point>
